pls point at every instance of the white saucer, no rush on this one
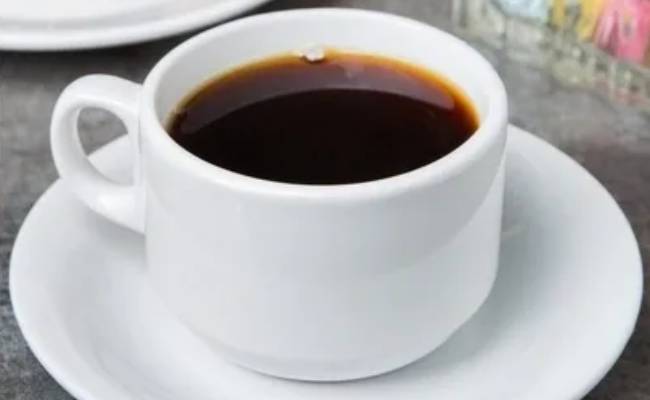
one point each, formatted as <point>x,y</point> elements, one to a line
<point>80,24</point>
<point>564,305</point>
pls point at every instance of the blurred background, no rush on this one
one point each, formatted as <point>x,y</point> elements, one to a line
<point>576,72</point>
<point>594,44</point>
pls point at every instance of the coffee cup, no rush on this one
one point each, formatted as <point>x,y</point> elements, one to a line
<point>309,282</point>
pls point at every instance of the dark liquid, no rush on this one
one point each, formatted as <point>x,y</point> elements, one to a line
<point>345,119</point>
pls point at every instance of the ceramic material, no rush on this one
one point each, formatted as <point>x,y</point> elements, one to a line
<point>81,24</point>
<point>330,282</point>
<point>563,306</point>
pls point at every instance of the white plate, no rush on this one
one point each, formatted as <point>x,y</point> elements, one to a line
<point>564,305</point>
<point>81,24</point>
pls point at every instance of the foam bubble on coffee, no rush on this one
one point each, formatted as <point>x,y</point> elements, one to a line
<point>313,54</point>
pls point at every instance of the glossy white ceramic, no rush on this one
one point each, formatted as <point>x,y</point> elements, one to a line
<point>564,304</point>
<point>313,282</point>
<point>38,25</point>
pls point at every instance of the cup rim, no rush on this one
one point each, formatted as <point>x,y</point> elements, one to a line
<point>490,130</point>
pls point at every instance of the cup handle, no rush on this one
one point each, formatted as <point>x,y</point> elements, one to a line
<point>118,202</point>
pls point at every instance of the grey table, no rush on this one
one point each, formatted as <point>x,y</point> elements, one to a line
<point>613,142</point>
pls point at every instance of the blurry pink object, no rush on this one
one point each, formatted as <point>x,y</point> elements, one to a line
<point>624,29</point>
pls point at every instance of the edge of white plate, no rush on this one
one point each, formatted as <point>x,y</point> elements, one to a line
<point>45,39</point>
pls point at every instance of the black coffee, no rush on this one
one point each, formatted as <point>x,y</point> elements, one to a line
<point>345,118</point>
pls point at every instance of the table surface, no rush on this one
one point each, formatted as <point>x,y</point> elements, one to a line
<point>611,141</point>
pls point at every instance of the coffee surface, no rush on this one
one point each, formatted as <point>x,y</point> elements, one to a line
<point>346,118</point>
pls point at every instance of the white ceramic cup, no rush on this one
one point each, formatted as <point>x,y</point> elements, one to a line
<point>307,282</point>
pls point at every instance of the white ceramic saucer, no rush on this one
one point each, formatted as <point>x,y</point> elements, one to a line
<point>564,305</point>
<point>80,24</point>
